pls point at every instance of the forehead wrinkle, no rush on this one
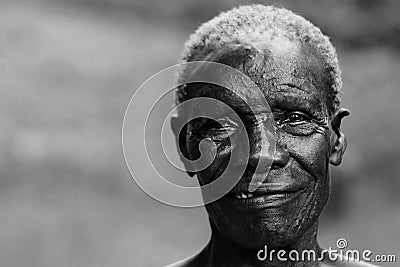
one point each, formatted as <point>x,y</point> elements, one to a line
<point>291,86</point>
<point>243,100</point>
<point>268,72</point>
<point>272,74</point>
<point>305,95</point>
<point>303,85</point>
<point>294,66</point>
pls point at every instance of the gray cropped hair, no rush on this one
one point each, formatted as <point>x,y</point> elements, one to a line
<point>250,23</point>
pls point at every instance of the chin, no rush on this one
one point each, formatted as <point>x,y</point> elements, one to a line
<point>256,234</point>
<point>275,227</point>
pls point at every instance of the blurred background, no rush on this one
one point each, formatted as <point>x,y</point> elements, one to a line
<point>68,71</point>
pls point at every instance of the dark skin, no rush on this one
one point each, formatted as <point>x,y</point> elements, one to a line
<point>283,213</point>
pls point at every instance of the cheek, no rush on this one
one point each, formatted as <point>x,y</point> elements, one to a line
<point>219,158</point>
<point>311,152</point>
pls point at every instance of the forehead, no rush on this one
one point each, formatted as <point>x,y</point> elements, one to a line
<point>281,68</point>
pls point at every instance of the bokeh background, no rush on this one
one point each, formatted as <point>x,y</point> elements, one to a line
<point>68,70</point>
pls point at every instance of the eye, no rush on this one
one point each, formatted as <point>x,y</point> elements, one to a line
<point>296,118</point>
<point>215,126</point>
<point>225,123</point>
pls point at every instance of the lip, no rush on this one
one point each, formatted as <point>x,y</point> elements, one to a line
<point>266,196</point>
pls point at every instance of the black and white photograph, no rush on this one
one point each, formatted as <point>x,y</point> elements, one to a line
<point>200,133</point>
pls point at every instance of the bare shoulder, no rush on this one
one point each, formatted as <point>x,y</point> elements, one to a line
<point>181,263</point>
<point>348,264</point>
<point>193,261</point>
<point>199,261</point>
<point>345,262</point>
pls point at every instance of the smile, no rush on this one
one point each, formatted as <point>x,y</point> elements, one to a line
<point>251,195</point>
<point>263,197</point>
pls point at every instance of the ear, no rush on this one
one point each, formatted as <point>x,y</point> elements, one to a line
<point>179,130</point>
<point>338,140</point>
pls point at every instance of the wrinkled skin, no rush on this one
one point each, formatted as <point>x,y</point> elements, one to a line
<point>293,80</point>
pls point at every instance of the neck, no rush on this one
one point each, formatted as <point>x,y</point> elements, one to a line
<point>221,251</point>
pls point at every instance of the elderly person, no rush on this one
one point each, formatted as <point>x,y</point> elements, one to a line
<point>296,68</point>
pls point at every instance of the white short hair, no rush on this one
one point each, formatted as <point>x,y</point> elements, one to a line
<point>244,24</point>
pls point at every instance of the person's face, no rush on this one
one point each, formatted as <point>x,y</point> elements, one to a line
<point>293,80</point>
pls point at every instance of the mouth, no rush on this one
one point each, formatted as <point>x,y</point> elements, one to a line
<point>266,196</point>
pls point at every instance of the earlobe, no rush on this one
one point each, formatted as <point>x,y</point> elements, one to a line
<point>338,149</point>
<point>175,125</point>
<point>339,142</point>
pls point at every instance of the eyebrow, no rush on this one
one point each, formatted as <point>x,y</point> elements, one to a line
<point>288,101</point>
<point>291,85</point>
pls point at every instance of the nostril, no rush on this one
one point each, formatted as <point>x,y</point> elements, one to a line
<point>281,157</point>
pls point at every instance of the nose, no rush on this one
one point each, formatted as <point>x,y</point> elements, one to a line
<point>262,156</point>
<point>280,157</point>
